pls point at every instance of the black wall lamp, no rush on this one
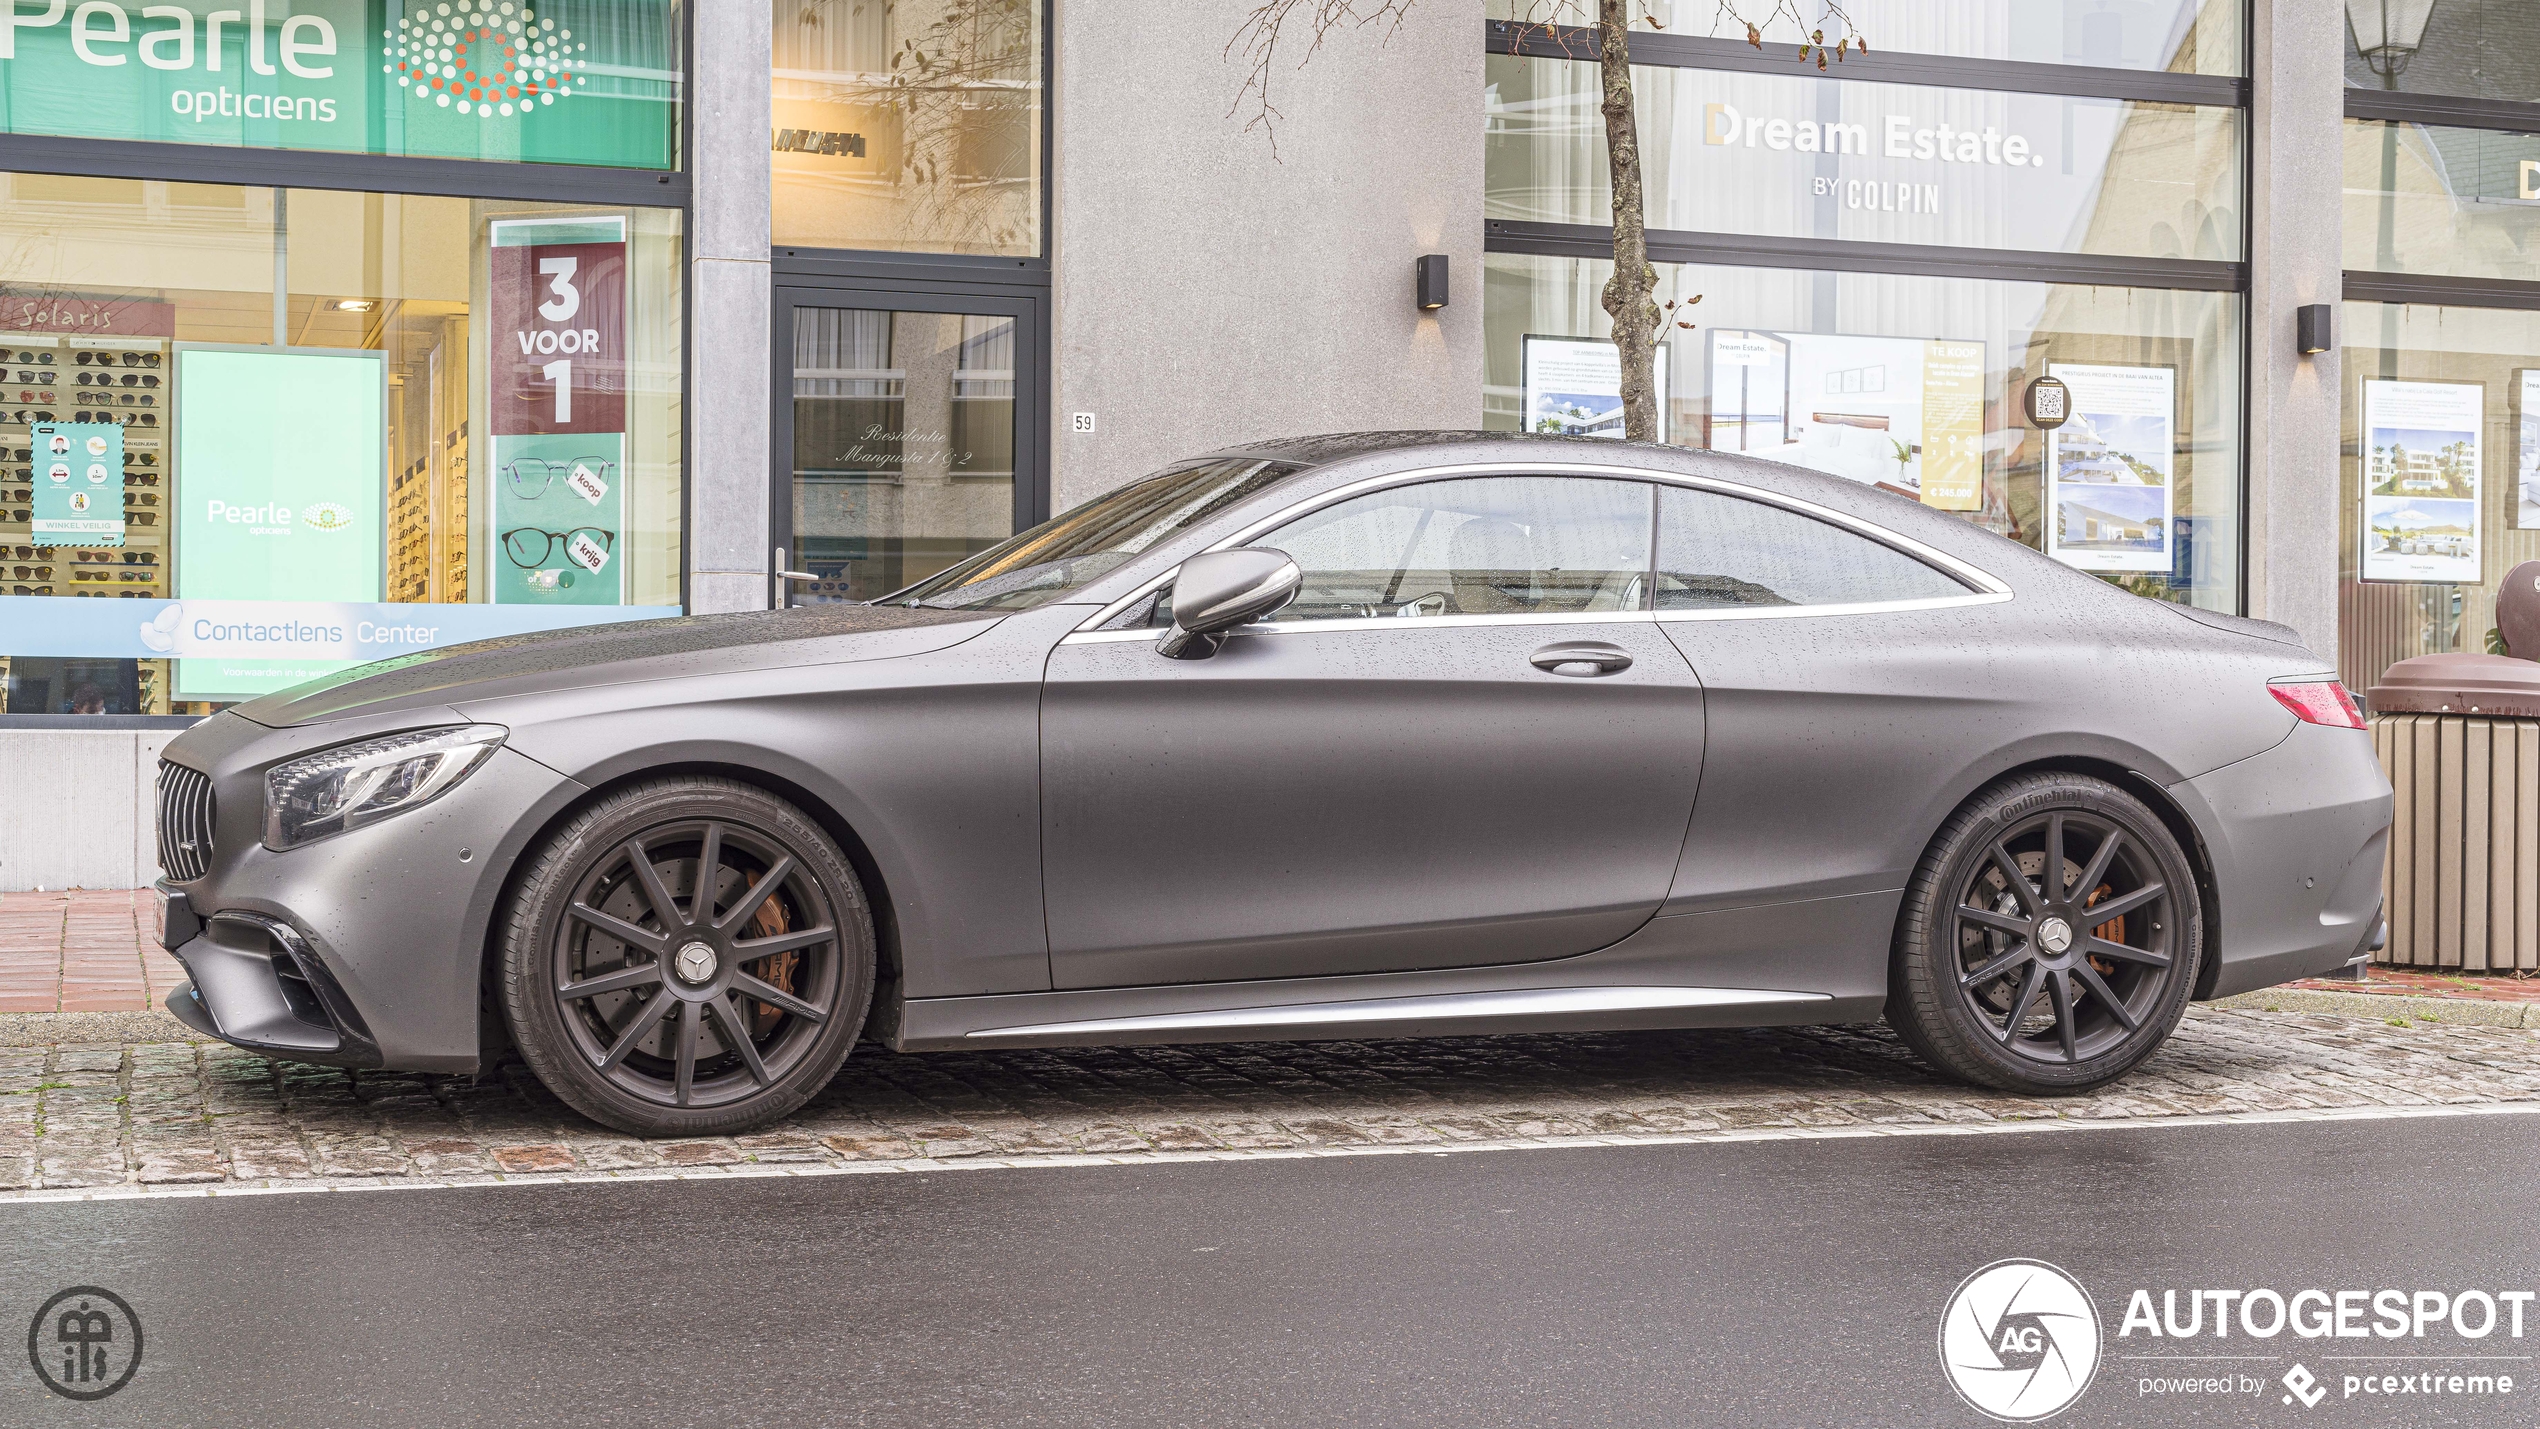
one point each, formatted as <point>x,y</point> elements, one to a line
<point>1429,281</point>
<point>2314,328</point>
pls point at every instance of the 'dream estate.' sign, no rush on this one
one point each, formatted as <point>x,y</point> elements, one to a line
<point>541,81</point>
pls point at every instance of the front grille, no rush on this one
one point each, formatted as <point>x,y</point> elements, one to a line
<point>185,822</point>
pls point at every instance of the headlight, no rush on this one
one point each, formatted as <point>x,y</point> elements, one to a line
<point>356,784</point>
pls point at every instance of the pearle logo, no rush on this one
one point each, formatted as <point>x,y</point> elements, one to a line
<point>2019,1341</point>
<point>485,58</point>
<point>328,516</point>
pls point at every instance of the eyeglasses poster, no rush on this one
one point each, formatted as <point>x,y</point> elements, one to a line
<point>77,471</point>
<point>2422,463</point>
<point>557,396</point>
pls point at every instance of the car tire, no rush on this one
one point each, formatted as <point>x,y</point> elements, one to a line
<point>2002,978</point>
<point>651,1014</point>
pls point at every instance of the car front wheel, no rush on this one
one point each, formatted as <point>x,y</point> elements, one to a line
<point>688,957</point>
<point>2049,940</point>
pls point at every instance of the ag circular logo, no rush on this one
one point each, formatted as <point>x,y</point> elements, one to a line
<point>2019,1341</point>
<point>85,1343</point>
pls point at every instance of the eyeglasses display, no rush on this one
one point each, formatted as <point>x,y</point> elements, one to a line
<point>531,476</point>
<point>528,547</point>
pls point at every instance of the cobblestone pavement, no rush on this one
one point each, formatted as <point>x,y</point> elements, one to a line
<point>122,1118</point>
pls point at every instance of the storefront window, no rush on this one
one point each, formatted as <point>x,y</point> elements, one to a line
<point>533,81</point>
<point>249,436</point>
<point>909,127</point>
<point>2423,198</point>
<point>2480,49</point>
<point>2182,36</point>
<point>1913,384</point>
<point>1891,163</point>
<point>2440,469</point>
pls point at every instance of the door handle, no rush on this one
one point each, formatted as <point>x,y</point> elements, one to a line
<point>1583,659</point>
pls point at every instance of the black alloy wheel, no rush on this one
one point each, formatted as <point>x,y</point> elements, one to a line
<point>688,957</point>
<point>2050,939</point>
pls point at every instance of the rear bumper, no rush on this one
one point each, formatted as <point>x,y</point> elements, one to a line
<point>2296,837</point>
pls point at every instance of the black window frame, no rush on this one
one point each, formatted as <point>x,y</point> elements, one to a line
<point>1739,250</point>
<point>873,276</point>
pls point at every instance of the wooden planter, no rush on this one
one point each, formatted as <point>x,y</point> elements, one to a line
<point>2464,868</point>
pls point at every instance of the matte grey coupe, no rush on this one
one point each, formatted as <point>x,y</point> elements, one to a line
<point>1377,735</point>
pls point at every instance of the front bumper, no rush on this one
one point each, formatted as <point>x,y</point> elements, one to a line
<point>2297,837</point>
<point>256,983</point>
<point>364,949</point>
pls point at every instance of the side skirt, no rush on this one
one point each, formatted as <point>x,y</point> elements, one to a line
<point>1819,961</point>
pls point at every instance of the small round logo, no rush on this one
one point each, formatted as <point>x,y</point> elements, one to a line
<point>97,473</point>
<point>79,503</point>
<point>2055,934</point>
<point>96,446</point>
<point>2019,1341</point>
<point>58,472</point>
<point>85,1343</point>
<point>328,516</point>
<point>695,962</point>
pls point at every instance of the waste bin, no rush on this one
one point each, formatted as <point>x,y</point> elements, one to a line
<point>2459,736</point>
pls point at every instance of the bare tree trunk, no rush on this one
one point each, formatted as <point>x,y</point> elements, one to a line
<point>1631,294</point>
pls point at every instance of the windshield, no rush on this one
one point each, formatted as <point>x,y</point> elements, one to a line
<point>1069,551</point>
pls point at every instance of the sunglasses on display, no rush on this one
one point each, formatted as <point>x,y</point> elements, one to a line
<point>30,573</point>
<point>108,359</point>
<point>40,359</point>
<point>24,418</point>
<point>143,518</point>
<point>531,476</point>
<point>133,480</point>
<point>31,590</point>
<point>41,379</point>
<point>529,546</point>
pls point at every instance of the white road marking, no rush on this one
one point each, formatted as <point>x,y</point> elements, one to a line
<point>1284,1153</point>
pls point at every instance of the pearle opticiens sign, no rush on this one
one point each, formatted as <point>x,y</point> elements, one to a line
<point>564,81</point>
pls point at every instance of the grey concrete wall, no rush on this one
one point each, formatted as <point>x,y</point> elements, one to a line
<point>728,438</point>
<point>79,811</point>
<point>2298,104</point>
<point>1209,291</point>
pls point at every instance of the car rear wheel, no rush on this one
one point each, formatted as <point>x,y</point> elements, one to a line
<point>688,957</point>
<point>2050,938</point>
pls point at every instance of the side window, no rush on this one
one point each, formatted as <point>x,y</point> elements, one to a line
<point>1499,545</point>
<point>1721,552</point>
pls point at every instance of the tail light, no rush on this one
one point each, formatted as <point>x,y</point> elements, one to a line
<point>2320,702</point>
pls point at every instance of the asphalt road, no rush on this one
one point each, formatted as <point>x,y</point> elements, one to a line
<point>1737,1284</point>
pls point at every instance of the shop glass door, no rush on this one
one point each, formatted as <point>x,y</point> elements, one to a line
<point>906,431</point>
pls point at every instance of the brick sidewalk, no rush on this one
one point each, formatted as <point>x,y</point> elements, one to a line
<point>83,951</point>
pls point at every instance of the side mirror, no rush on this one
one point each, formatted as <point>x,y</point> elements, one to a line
<point>1216,592</point>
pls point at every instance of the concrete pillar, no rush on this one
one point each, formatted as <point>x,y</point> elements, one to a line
<point>2297,111</point>
<point>728,339</point>
<point>1210,290</point>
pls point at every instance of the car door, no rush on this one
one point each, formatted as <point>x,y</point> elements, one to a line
<point>1848,681</point>
<point>1465,743</point>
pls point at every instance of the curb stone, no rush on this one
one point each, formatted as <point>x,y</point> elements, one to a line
<point>2387,1007</point>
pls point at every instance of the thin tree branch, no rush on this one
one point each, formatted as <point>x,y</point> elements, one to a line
<point>1257,41</point>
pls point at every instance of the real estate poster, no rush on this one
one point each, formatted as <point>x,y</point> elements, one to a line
<point>1903,413</point>
<point>2421,474</point>
<point>283,459</point>
<point>2110,493</point>
<point>1574,386</point>
<point>2523,502</point>
<point>557,396</point>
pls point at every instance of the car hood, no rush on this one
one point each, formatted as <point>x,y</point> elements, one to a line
<point>622,653</point>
